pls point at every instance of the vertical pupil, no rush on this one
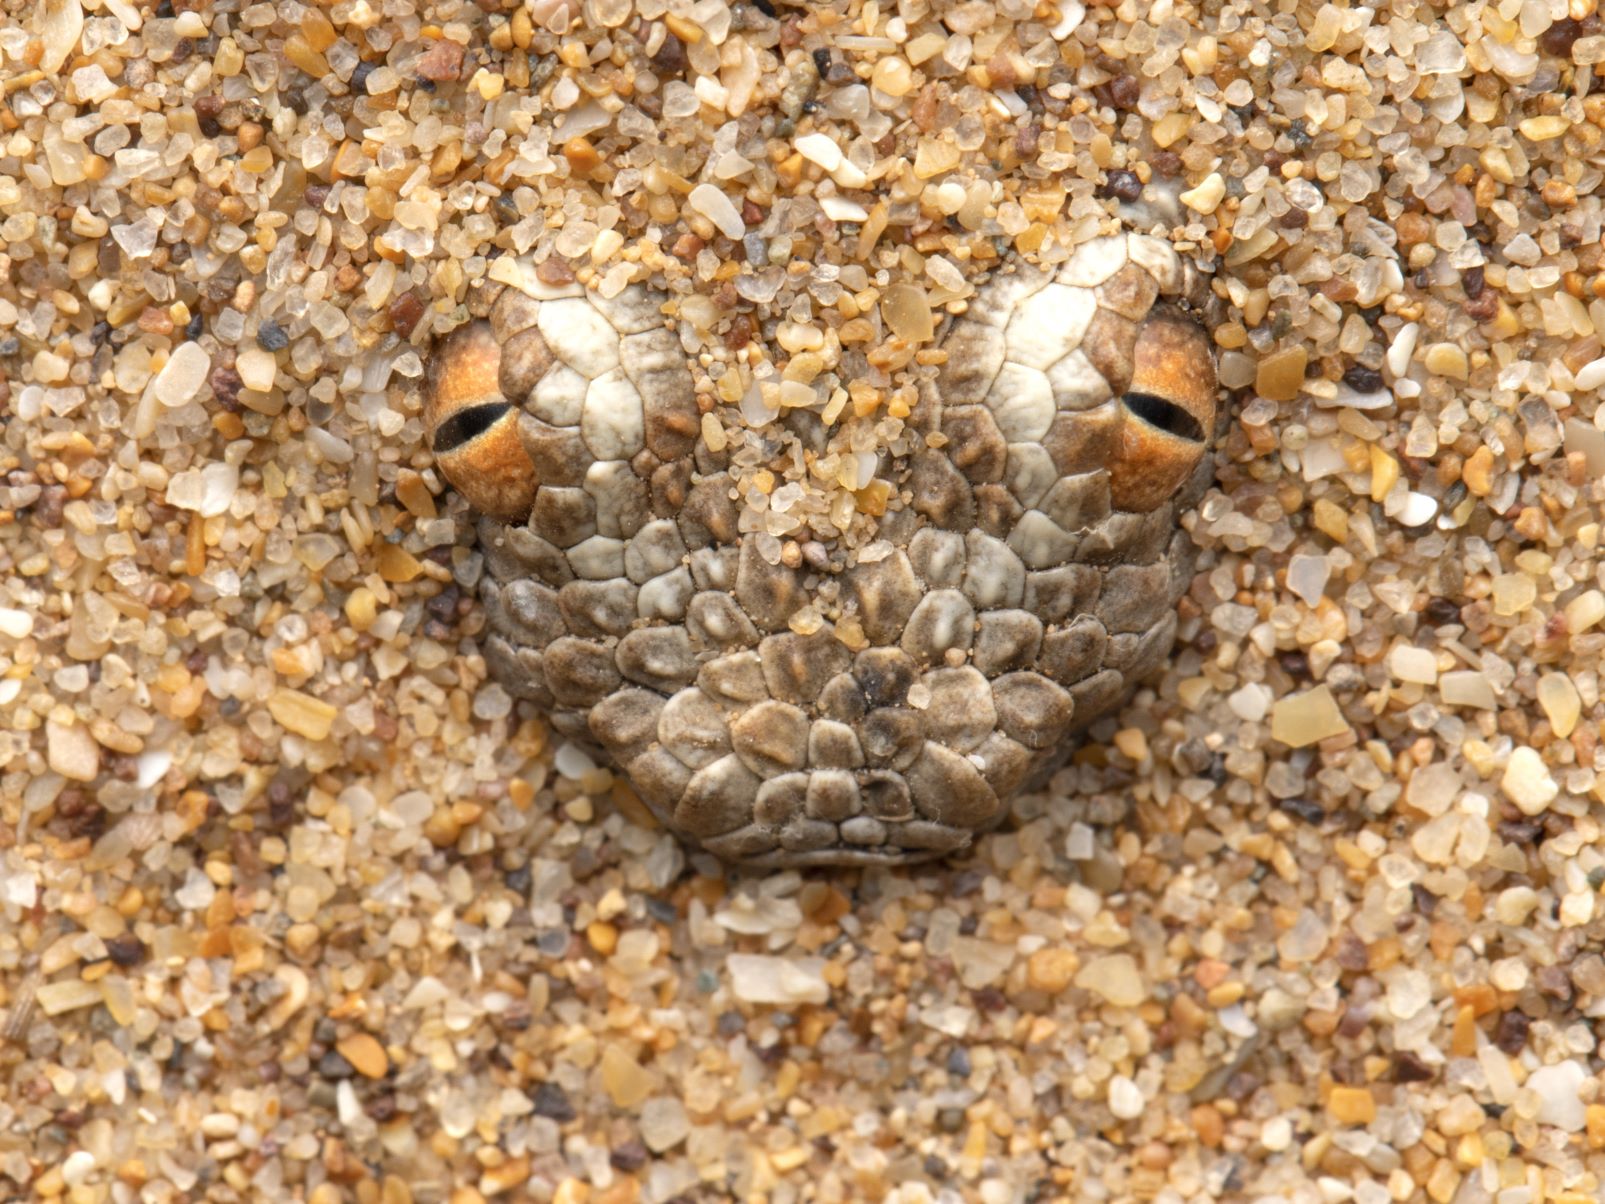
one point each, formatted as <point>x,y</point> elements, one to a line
<point>1165,415</point>
<point>467,424</point>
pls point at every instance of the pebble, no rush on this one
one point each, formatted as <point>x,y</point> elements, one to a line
<point>1276,1134</point>
<point>625,1080</point>
<point>1508,974</point>
<point>365,1054</point>
<point>61,26</point>
<point>1591,375</point>
<point>1539,129</point>
<point>80,1164</point>
<point>821,149</point>
<point>1527,781</point>
<point>756,978</point>
<point>1402,348</point>
<point>1467,688</point>
<point>840,209</point>
<point>1447,359</point>
<point>301,713</point>
<point>492,702</point>
<point>67,995</point>
<point>1461,1115</point>
<point>257,368</point>
<point>1307,718</point>
<point>1206,197</point>
<point>1409,991</point>
<point>1306,940</point>
<point>1416,509</point>
<point>713,433</point>
<point>892,76</point>
<point>555,15</point>
<point>183,374</point>
<point>1441,54</point>
<point>1113,978</point>
<point>1478,472</point>
<point>208,491</point>
<point>50,368</point>
<point>714,205</point>
<point>1250,703</point>
<point>1307,577</point>
<point>1384,474</point>
<point>1433,788</point>
<point>1577,908</point>
<point>1561,703</point>
<point>71,751</point>
<point>573,762</point>
<point>1557,1088</point>
<point>664,1124</point>
<point>1352,1105</point>
<point>907,310</point>
<point>1125,1098</point>
<point>551,1101</point>
<point>397,565</point>
<point>1325,29</point>
<point>1051,969</point>
<point>270,336</point>
<point>1280,375</point>
<point>1412,664</point>
<point>505,1176</point>
<point>15,624</point>
<point>1585,611</point>
<point>1278,1009</point>
<point>1595,1124</point>
<point>1434,842</point>
<point>1514,905</point>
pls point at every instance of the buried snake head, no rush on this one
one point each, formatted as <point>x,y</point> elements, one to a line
<point>816,621</point>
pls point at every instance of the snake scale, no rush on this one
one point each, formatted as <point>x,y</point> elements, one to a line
<point>863,694</point>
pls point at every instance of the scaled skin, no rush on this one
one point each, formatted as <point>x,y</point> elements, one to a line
<point>827,699</point>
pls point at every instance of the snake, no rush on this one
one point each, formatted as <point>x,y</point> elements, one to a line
<point>815,638</point>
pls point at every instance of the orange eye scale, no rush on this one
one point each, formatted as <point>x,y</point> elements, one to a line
<point>1170,411</point>
<point>474,431</point>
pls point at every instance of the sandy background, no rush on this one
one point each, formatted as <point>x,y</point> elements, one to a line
<point>295,905</point>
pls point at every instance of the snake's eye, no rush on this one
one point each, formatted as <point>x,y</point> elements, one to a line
<point>1169,412</point>
<point>472,427</point>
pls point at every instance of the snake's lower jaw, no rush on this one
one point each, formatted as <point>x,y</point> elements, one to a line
<point>866,694</point>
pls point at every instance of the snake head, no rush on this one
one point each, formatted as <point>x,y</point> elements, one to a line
<point>810,635</point>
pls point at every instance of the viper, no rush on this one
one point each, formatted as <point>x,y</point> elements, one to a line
<point>813,631</point>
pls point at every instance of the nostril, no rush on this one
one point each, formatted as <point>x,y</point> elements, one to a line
<point>467,424</point>
<point>1165,416</point>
